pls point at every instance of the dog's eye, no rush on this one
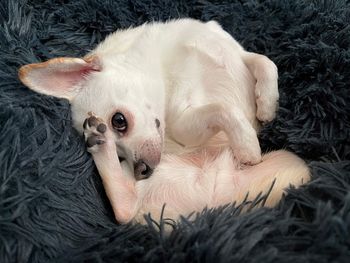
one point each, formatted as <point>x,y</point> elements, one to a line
<point>119,122</point>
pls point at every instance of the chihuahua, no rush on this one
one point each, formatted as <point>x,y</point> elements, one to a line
<point>152,100</point>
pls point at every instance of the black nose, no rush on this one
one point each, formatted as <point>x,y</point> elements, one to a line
<point>142,170</point>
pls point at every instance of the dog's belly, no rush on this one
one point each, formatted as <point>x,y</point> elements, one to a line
<point>189,183</point>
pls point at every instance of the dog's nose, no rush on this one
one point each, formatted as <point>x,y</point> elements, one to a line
<point>142,170</point>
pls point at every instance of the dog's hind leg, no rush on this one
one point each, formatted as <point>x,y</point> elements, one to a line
<point>266,88</point>
<point>223,49</point>
<point>196,125</point>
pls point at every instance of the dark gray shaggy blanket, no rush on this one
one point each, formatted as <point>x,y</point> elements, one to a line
<point>52,205</point>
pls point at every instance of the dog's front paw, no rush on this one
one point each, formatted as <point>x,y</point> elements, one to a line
<point>94,133</point>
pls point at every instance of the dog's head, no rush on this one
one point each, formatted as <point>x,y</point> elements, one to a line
<point>126,100</point>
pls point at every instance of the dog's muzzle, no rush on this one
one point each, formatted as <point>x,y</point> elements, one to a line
<point>149,158</point>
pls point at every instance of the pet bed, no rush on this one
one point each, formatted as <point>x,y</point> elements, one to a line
<point>52,203</point>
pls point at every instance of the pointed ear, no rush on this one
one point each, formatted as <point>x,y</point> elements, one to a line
<point>58,76</point>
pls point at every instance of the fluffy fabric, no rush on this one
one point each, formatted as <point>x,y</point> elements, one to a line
<point>52,203</point>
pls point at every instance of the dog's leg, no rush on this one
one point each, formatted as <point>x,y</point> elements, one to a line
<point>119,188</point>
<point>266,89</point>
<point>196,125</point>
<point>223,50</point>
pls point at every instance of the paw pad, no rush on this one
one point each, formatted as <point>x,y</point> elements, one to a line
<point>94,130</point>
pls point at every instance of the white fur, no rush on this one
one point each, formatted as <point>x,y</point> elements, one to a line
<point>192,181</point>
<point>202,86</point>
<point>195,78</point>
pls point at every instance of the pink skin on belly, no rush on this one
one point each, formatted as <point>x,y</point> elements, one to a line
<point>194,181</point>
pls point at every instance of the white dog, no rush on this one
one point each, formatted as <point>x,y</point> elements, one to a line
<point>183,81</point>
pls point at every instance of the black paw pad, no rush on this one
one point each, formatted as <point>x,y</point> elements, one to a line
<point>92,121</point>
<point>93,140</point>
<point>101,128</point>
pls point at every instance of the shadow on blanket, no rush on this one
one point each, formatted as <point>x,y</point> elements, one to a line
<point>52,204</point>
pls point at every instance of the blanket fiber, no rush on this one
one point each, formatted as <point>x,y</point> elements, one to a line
<point>52,204</point>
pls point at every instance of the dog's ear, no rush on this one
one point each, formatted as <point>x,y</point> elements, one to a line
<point>58,76</point>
